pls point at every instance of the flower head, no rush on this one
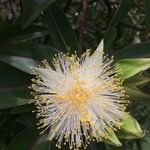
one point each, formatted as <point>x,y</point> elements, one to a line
<point>79,99</point>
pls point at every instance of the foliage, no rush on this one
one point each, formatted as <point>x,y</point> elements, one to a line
<point>31,31</point>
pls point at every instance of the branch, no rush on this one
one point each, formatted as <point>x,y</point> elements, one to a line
<point>12,9</point>
<point>82,24</point>
<point>67,5</point>
<point>109,9</point>
<point>80,3</point>
<point>21,5</point>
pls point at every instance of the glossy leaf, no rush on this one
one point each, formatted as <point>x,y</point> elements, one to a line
<point>32,9</point>
<point>15,32</point>
<point>147,7</point>
<point>60,29</point>
<point>28,49</point>
<point>22,63</point>
<point>134,51</point>
<point>130,67</point>
<point>13,89</point>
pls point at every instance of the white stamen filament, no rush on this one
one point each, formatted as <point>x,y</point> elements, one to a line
<point>79,99</point>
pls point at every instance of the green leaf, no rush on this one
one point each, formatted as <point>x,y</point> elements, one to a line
<point>32,9</point>
<point>28,49</point>
<point>130,129</point>
<point>23,54</point>
<point>23,63</point>
<point>137,80</point>
<point>13,98</point>
<point>147,7</point>
<point>134,51</point>
<point>123,135</point>
<point>112,138</point>
<point>15,32</point>
<point>130,67</point>
<point>24,139</point>
<point>13,89</point>
<point>137,95</point>
<point>60,29</point>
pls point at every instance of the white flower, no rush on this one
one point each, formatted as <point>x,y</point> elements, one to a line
<point>79,99</point>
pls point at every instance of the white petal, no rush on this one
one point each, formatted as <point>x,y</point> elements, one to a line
<point>92,65</point>
<point>99,52</point>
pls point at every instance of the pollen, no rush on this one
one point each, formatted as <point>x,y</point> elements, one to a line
<point>77,96</point>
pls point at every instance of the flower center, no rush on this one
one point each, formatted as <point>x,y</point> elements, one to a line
<point>77,96</point>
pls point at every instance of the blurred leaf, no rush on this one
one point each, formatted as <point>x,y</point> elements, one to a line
<point>21,109</point>
<point>28,49</point>
<point>23,63</point>
<point>42,143</point>
<point>137,80</point>
<point>24,140</point>
<point>147,8</point>
<point>95,145</point>
<point>112,138</point>
<point>111,147</point>
<point>15,32</point>
<point>131,127</point>
<point>134,51</point>
<point>130,67</point>
<point>60,29</point>
<point>122,10</point>
<point>32,9</point>
<point>137,95</point>
<point>26,118</point>
<point>145,142</point>
<point>8,129</point>
<point>13,98</point>
<point>109,39</point>
<point>13,89</point>
<point>10,76</point>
